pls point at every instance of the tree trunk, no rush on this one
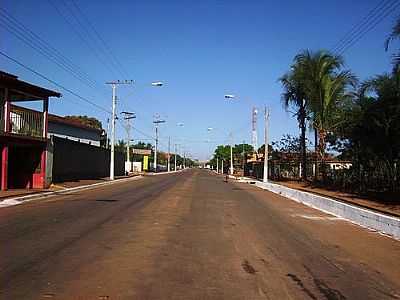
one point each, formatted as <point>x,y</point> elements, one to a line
<point>302,121</point>
<point>321,152</point>
<point>316,153</point>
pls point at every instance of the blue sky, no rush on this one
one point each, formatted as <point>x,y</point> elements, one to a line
<point>200,49</point>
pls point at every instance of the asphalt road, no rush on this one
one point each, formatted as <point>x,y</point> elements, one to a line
<point>189,236</point>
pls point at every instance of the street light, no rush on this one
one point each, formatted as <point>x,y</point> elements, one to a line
<point>157,83</point>
<point>230,97</point>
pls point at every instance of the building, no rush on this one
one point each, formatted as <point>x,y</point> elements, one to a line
<point>74,130</point>
<point>23,134</point>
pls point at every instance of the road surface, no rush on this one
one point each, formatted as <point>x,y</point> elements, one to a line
<point>189,236</point>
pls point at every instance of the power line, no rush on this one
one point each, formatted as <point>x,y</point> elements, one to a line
<point>79,34</point>
<point>54,82</point>
<point>373,18</point>
<point>34,38</point>
<point>92,38</point>
<point>389,11</point>
<point>358,25</point>
<point>103,42</point>
<point>46,53</point>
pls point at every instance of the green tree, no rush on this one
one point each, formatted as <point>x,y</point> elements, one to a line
<point>294,97</point>
<point>326,86</point>
<point>85,120</point>
<point>394,35</point>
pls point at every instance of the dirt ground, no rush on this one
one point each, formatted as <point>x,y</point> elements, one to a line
<point>189,236</point>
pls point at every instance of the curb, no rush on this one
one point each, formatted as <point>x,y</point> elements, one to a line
<point>23,199</point>
<point>382,223</point>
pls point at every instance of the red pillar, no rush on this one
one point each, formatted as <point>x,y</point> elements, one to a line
<point>4,168</point>
<point>43,169</point>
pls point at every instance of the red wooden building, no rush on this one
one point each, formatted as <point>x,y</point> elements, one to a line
<point>23,134</point>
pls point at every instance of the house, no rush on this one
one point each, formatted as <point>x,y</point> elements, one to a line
<point>74,130</point>
<point>23,134</point>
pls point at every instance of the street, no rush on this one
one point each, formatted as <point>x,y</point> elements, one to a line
<point>189,235</point>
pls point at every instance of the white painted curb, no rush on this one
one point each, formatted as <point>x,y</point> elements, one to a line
<point>382,223</point>
<point>23,199</point>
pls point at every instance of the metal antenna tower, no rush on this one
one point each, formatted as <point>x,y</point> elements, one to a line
<point>254,129</point>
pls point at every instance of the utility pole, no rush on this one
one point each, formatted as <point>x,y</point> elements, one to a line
<point>231,168</point>
<point>156,122</point>
<point>114,103</point>
<point>217,165</point>
<point>222,167</point>
<point>184,159</point>
<point>108,133</point>
<point>176,150</point>
<point>243,158</point>
<point>169,153</point>
<point>266,115</point>
<point>128,116</point>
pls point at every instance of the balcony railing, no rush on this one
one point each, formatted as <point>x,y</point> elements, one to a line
<point>26,122</point>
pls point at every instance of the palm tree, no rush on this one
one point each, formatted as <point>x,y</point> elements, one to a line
<point>325,86</point>
<point>294,96</point>
<point>395,34</point>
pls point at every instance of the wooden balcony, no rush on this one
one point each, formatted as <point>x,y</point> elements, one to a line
<point>24,122</point>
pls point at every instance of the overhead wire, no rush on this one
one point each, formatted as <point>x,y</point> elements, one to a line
<point>47,53</point>
<point>358,25</point>
<point>54,82</point>
<point>34,38</point>
<point>369,22</point>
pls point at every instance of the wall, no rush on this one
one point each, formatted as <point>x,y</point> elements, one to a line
<point>73,161</point>
<point>74,133</point>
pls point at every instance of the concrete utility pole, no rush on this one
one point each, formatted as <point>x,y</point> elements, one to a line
<point>169,153</point>
<point>114,103</point>
<point>184,159</point>
<point>128,116</point>
<point>156,122</point>
<point>231,168</point>
<point>176,150</point>
<point>243,157</point>
<point>108,132</point>
<point>266,115</point>
<point>217,165</point>
<point>222,166</point>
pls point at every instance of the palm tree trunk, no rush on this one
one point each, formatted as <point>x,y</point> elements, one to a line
<point>316,152</point>
<point>302,121</point>
<point>322,146</point>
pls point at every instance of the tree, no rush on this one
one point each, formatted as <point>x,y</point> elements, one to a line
<point>85,120</point>
<point>294,96</point>
<point>395,34</point>
<point>326,86</point>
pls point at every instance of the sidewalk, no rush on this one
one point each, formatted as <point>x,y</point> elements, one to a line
<point>17,196</point>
